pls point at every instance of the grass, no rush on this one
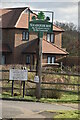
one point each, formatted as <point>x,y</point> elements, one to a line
<point>19,97</point>
<point>67,114</point>
<point>66,98</point>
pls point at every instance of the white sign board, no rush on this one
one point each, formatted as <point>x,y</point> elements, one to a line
<point>36,79</point>
<point>17,74</point>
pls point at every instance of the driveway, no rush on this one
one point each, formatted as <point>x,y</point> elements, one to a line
<point>19,109</point>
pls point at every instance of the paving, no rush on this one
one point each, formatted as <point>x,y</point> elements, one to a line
<point>20,109</point>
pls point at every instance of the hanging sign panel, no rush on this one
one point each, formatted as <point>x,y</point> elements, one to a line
<point>17,74</point>
<point>36,79</point>
<point>40,26</point>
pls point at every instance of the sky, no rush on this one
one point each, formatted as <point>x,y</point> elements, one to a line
<point>64,10</point>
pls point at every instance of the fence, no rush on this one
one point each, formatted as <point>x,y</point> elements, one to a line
<point>71,61</point>
<point>45,85</point>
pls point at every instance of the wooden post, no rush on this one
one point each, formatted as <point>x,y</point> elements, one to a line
<point>39,66</point>
<point>61,66</point>
<point>12,87</point>
<point>23,88</point>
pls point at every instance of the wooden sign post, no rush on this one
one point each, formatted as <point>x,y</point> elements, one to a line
<point>40,26</point>
<point>39,66</point>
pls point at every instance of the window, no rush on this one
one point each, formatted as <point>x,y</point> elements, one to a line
<point>25,35</point>
<point>50,37</point>
<point>3,60</point>
<point>28,59</point>
<point>51,60</point>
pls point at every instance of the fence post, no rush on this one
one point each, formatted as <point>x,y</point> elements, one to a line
<point>12,87</point>
<point>23,88</point>
<point>61,66</point>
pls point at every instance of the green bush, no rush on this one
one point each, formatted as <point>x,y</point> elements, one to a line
<point>51,94</point>
<point>30,92</point>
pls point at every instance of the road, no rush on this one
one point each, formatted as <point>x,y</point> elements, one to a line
<point>20,109</point>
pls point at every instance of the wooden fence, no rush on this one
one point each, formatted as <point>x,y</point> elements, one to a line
<point>70,86</point>
<point>70,61</point>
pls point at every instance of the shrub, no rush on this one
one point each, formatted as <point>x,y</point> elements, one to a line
<point>51,94</point>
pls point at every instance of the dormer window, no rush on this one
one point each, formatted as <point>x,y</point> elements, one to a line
<point>25,35</point>
<point>50,37</point>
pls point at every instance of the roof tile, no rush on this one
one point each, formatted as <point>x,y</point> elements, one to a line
<point>47,48</point>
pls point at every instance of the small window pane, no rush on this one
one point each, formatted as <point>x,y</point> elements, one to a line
<point>2,60</point>
<point>49,60</point>
<point>48,37</point>
<point>53,59</point>
<point>52,38</point>
<point>26,35</point>
<point>28,59</point>
<point>23,35</point>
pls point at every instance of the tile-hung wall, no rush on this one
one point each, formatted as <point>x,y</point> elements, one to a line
<point>58,39</point>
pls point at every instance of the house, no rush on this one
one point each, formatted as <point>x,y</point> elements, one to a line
<point>19,46</point>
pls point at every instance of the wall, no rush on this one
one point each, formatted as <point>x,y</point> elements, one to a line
<point>8,37</point>
<point>13,37</point>
<point>58,39</point>
<point>21,45</point>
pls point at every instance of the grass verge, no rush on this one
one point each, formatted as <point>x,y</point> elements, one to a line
<point>66,98</point>
<point>67,114</point>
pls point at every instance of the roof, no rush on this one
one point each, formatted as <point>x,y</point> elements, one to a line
<point>31,47</point>
<point>9,18</point>
<point>18,20</point>
<point>56,28</point>
<point>47,48</point>
<point>5,48</point>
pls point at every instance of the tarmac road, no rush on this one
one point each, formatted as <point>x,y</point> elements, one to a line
<point>20,109</point>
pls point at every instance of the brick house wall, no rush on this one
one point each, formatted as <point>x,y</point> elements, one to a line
<point>13,37</point>
<point>58,39</point>
<point>8,37</point>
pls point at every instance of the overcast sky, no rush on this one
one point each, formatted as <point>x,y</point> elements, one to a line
<point>64,10</point>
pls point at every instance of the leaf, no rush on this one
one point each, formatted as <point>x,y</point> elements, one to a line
<point>41,16</point>
<point>47,18</point>
<point>33,18</point>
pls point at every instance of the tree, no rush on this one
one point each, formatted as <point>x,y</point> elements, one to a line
<point>70,38</point>
<point>41,16</point>
<point>33,18</point>
<point>47,18</point>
